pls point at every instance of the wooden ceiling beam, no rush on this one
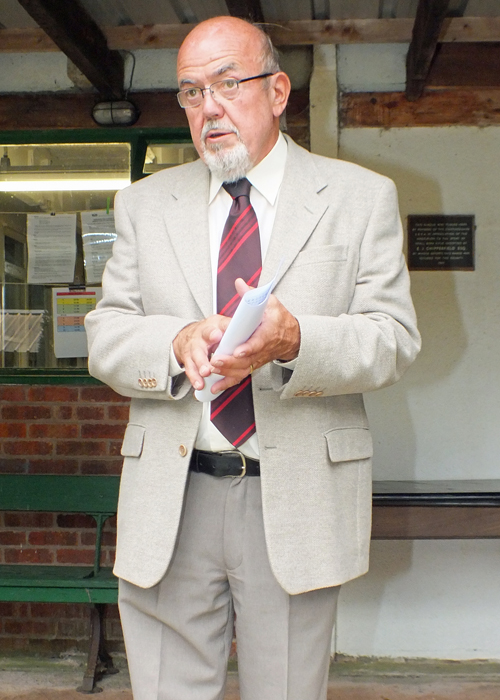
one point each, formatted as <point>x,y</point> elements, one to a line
<point>246,9</point>
<point>428,26</point>
<point>75,33</point>
<point>299,32</point>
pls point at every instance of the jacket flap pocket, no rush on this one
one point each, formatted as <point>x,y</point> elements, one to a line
<point>133,440</point>
<point>349,444</point>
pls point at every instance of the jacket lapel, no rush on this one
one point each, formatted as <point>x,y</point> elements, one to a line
<point>186,221</point>
<point>297,216</point>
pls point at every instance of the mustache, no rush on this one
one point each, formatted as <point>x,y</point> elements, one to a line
<point>218,125</point>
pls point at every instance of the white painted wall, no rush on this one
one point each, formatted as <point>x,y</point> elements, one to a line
<point>436,599</point>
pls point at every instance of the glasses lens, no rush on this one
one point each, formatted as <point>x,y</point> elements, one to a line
<point>228,89</point>
<point>190,98</point>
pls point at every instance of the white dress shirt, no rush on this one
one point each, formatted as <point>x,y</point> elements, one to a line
<point>266,178</point>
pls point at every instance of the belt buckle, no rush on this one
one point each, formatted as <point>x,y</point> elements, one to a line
<point>243,463</point>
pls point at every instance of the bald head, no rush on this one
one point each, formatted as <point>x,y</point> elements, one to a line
<point>246,31</point>
<point>241,123</point>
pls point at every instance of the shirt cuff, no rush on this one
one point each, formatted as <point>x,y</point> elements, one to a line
<point>290,364</point>
<point>174,368</point>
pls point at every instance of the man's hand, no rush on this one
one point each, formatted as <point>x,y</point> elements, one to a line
<point>277,338</point>
<point>194,345</point>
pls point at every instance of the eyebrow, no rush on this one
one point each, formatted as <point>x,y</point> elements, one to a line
<point>220,71</point>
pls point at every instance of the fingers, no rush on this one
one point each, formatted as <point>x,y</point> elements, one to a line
<point>194,345</point>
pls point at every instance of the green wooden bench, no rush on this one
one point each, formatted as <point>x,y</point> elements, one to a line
<point>96,496</point>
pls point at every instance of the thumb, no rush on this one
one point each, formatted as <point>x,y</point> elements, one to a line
<point>242,286</point>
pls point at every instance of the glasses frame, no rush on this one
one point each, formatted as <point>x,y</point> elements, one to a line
<point>209,88</point>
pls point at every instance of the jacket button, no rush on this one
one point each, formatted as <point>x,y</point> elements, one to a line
<point>140,382</point>
<point>183,450</point>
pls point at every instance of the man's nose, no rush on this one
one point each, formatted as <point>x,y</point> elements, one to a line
<point>211,108</point>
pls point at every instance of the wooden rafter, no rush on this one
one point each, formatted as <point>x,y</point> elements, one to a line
<point>427,28</point>
<point>299,32</point>
<point>246,9</point>
<point>78,36</point>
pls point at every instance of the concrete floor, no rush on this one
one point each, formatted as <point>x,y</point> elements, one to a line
<point>35,678</point>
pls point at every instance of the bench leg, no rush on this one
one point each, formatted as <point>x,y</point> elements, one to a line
<point>99,662</point>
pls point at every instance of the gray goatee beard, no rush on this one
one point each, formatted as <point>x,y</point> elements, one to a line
<point>228,164</point>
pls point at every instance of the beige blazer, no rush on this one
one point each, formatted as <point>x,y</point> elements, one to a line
<point>345,279</point>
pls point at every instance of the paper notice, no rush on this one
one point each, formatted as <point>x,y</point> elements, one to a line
<point>98,235</point>
<point>51,248</point>
<point>69,308</point>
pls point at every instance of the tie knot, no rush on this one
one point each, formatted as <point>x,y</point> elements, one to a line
<point>240,188</point>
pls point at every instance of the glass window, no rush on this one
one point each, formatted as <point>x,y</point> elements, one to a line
<point>166,155</point>
<point>56,233</point>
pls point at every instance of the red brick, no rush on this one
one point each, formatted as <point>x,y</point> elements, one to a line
<point>29,520</point>
<point>26,412</point>
<point>103,430</point>
<point>75,556</point>
<point>12,430</point>
<point>72,629</point>
<point>87,539</point>
<point>7,609</point>
<point>77,520</point>
<point>108,466</point>
<point>118,412</point>
<point>115,448</point>
<point>56,430</point>
<point>27,447</point>
<point>28,556</point>
<point>11,465</point>
<point>90,412</point>
<point>12,393</point>
<point>12,537</point>
<point>53,393</point>
<point>47,538</point>
<point>79,447</point>
<point>63,412</point>
<point>53,466</point>
<point>99,394</point>
<point>58,610</point>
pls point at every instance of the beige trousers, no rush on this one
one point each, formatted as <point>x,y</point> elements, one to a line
<point>178,634</point>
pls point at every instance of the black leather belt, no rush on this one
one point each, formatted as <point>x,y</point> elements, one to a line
<point>229,463</point>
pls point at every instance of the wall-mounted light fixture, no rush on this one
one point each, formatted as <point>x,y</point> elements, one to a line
<point>115,113</point>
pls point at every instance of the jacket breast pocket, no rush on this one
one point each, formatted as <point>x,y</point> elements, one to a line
<point>322,254</point>
<point>349,444</point>
<point>133,440</point>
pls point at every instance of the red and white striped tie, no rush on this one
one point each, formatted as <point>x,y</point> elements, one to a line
<point>239,256</point>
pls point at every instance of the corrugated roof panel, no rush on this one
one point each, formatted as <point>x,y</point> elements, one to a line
<point>13,16</point>
<point>358,9</point>
<point>483,8</point>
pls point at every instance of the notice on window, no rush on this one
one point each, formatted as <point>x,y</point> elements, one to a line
<point>98,235</point>
<point>69,308</point>
<point>51,248</point>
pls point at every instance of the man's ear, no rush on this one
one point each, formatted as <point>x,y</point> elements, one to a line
<point>281,87</point>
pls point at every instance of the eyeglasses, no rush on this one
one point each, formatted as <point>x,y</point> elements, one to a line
<point>227,89</point>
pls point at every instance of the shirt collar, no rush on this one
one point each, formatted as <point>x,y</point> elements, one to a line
<point>266,176</point>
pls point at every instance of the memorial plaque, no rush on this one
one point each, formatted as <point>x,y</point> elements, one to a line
<point>440,242</point>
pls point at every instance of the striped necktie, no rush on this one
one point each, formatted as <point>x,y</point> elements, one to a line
<point>239,256</point>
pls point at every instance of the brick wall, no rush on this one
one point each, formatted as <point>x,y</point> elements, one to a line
<point>56,430</point>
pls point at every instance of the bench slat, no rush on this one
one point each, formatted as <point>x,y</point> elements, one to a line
<point>59,493</point>
<point>55,576</point>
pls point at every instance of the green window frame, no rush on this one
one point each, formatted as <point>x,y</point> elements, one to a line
<point>138,139</point>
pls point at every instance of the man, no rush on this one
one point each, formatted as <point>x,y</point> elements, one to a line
<point>277,540</point>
